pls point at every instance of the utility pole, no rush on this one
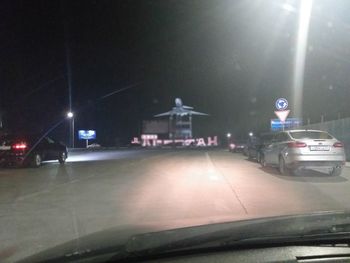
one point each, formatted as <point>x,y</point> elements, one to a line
<point>69,80</point>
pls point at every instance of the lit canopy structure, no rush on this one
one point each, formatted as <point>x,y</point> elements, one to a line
<point>180,127</point>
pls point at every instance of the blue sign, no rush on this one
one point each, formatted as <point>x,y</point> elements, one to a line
<point>281,104</point>
<point>290,123</point>
<point>87,134</point>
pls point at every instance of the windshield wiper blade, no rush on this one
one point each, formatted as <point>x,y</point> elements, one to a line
<point>328,238</point>
<point>190,246</point>
<point>300,228</point>
<point>288,228</point>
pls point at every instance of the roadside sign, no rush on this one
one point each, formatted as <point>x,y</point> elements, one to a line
<point>290,123</point>
<point>282,115</point>
<point>87,134</point>
<point>281,104</point>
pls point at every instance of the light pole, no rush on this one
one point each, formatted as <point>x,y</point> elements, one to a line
<point>228,136</point>
<point>70,115</point>
<point>1,121</point>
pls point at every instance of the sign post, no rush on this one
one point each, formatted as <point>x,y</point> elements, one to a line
<point>282,113</point>
<point>282,116</point>
<point>87,135</point>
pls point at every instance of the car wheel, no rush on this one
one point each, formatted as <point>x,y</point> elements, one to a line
<point>258,157</point>
<point>62,157</point>
<point>36,161</point>
<point>336,171</point>
<point>282,166</point>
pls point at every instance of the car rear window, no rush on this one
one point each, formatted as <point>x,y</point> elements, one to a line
<point>266,138</point>
<point>8,140</point>
<point>239,142</point>
<point>310,135</point>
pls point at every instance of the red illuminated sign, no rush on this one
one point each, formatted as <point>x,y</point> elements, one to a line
<point>151,140</point>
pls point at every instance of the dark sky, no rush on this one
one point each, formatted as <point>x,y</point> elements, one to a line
<point>228,58</point>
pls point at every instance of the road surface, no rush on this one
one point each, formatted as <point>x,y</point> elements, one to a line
<point>93,191</point>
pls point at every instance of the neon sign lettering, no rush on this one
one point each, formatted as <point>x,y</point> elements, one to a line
<point>151,140</point>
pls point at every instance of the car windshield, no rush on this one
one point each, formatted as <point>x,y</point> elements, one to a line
<point>310,135</point>
<point>150,115</point>
<point>6,140</point>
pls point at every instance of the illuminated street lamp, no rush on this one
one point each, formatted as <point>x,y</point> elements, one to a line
<point>228,135</point>
<point>70,115</point>
<point>251,134</point>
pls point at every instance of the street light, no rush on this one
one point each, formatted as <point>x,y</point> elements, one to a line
<point>228,135</point>
<point>70,115</point>
<point>251,134</point>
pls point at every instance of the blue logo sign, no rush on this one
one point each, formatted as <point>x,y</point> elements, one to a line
<point>281,104</point>
<point>290,123</point>
<point>87,134</point>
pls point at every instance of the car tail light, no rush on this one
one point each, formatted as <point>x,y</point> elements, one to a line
<point>338,145</point>
<point>19,146</point>
<point>296,145</point>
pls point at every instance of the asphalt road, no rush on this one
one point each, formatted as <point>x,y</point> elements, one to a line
<point>93,191</point>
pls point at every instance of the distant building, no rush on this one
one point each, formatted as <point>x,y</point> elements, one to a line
<point>155,127</point>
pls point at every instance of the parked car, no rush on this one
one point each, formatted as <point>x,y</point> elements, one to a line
<point>255,146</point>
<point>93,146</point>
<point>237,146</point>
<point>294,149</point>
<point>24,149</point>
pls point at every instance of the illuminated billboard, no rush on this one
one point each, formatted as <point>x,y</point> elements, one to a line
<point>290,123</point>
<point>87,134</point>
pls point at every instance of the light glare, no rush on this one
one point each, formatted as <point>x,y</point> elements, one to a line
<point>300,56</point>
<point>288,7</point>
<point>70,114</point>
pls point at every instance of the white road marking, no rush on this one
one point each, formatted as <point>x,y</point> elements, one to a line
<point>212,165</point>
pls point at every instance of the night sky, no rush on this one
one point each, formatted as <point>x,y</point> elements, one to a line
<point>231,59</point>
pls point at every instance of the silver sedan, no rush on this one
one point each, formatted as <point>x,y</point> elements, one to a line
<point>294,149</point>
